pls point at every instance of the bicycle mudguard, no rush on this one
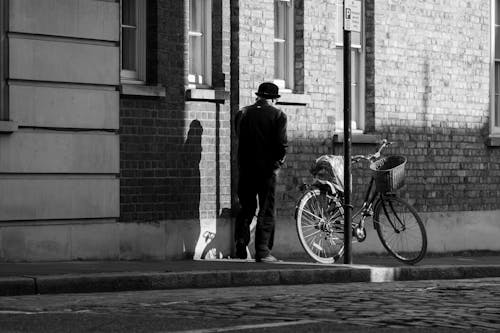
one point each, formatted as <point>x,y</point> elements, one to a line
<point>327,186</point>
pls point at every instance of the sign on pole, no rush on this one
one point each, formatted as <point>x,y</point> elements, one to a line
<point>352,15</point>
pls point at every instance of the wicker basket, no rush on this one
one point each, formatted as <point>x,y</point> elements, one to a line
<point>389,173</point>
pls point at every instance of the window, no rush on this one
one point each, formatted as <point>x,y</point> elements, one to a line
<point>4,114</point>
<point>200,43</point>
<point>283,44</point>
<point>133,41</point>
<point>357,73</point>
<point>495,68</point>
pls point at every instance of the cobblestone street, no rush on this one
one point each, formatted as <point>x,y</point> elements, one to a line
<point>458,304</point>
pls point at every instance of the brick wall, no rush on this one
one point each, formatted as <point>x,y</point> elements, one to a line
<point>427,87</point>
<point>175,153</point>
<point>310,127</point>
<point>431,94</point>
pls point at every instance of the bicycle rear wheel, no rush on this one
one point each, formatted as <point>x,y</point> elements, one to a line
<point>320,225</point>
<point>400,229</point>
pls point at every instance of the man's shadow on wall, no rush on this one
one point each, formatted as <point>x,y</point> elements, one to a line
<point>189,187</point>
<point>199,239</point>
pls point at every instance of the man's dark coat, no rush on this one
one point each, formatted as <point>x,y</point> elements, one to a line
<point>261,129</point>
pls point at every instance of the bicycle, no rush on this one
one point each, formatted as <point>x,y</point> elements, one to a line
<point>319,212</point>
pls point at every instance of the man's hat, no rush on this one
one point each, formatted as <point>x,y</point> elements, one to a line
<point>268,90</point>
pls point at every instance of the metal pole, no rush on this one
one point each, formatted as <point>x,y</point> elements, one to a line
<point>347,146</point>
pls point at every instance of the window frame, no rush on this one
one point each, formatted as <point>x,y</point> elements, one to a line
<point>287,84</point>
<point>494,86</point>
<point>206,46</point>
<point>138,76</point>
<point>358,86</point>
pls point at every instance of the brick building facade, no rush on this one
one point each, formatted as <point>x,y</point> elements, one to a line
<point>423,78</point>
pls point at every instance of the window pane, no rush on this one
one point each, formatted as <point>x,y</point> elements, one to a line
<point>279,60</point>
<point>339,53</point>
<point>355,87</point>
<point>497,12</point>
<point>196,15</point>
<point>339,87</point>
<point>283,42</point>
<point>497,111</point>
<point>199,39</point>
<point>355,38</point>
<point>133,40</point>
<point>129,49</point>
<point>497,77</point>
<point>497,94</point>
<point>195,55</point>
<point>355,115</point>
<point>497,42</point>
<point>279,20</point>
<point>355,66</point>
<point>129,35</point>
<point>128,13</point>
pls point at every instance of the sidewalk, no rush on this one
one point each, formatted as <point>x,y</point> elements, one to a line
<point>109,276</point>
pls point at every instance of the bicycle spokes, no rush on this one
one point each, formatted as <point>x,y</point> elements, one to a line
<point>393,217</point>
<point>320,226</point>
<point>400,229</point>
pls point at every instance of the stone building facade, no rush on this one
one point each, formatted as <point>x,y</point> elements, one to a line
<point>98,164</point>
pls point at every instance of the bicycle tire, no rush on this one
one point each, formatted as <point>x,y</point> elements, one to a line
<point>393,217</point>
<point>320,225</point>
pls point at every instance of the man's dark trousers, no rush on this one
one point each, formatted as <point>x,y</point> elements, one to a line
<point>252,186</point>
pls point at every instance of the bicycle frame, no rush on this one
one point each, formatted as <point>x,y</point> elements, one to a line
<point>372,197</point>
<point>367,207</point>
<point>321,225</point>
<point>371,200</point>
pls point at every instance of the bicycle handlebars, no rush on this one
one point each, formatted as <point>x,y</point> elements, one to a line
<point>372,157</point>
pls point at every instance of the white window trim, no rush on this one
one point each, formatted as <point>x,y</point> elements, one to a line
<point>139,76</point>
<point>494,130</point>
<point>206,79</point>
<point>288,83</point>
<point>356,126</point>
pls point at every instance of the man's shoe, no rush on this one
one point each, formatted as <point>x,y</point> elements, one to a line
<point>267,259</point>
<point>241,250</point>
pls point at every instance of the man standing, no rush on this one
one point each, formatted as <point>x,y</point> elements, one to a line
<point>262,143</point>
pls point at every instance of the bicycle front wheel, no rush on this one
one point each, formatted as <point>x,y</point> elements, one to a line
<point>320,225</point>
<point>400,229</point>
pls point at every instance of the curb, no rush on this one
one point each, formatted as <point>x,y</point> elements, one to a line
<point>136,281</point>
<point>446,272</point>
<point>10,286</point>
<point>130,281</point>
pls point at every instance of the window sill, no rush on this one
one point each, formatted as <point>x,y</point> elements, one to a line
<point>493,141</point>
<point>207,95</point>
<point>142,90</point>
<point>293,99</point>
<point>7,126</point>
<point>357,138</point>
